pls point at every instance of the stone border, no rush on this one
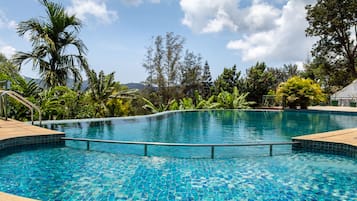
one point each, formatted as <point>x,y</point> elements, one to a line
<point>326,147</point>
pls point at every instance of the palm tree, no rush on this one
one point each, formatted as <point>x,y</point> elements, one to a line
<point>101,88</point>
<point>57,52</point>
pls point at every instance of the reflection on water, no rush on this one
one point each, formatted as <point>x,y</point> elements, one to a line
<point>217,126</point>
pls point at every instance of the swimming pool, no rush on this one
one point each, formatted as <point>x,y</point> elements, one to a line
<point>63,173</point>
<point>205,127</point>
<point>72,173</point>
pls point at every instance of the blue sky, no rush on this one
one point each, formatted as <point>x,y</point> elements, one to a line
<point>223,32</point>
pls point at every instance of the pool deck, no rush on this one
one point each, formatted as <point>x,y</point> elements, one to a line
<point>10,197</point>
<point>333,108</point>
<point>12,129</point>
<point>346,136</point>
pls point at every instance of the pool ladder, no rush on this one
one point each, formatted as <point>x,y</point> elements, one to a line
<point>21,99</point>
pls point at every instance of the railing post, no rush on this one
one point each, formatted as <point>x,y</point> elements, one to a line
<point>270,150</point>
<point>88,145</point>
<point>31,116</point>
<point>212,152</point>
<point>145,149</point>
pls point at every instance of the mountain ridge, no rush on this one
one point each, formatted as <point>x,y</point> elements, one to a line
<point>70,83</point>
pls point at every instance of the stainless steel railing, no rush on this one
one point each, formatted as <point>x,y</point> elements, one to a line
<point>22,100</point>
<point>212,146</point>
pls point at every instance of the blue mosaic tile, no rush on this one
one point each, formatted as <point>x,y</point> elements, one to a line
<point>62,173</point>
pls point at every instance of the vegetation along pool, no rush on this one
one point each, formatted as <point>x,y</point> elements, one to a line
<point>119,172</point>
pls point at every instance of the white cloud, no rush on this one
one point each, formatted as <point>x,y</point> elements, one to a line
<point>286,42</point>
<point>272,31</point>
<point>260,16</point>
<point>204,16</point>
<point>96,8</point>
<point>6,23</point>
<point>220,21</point>
<point>209,15</point>
<point>8,51</point>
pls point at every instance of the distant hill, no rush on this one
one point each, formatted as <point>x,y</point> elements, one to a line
<point>70,83</point>
<point>139,86</point>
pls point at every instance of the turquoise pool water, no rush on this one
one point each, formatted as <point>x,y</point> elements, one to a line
<point>108,172</point>
<point>63,173</point>
<point>219,126</point>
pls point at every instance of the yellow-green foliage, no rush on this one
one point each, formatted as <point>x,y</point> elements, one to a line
<point>301,92</point>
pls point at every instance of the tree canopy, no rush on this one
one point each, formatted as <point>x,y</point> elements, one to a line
<point>258,82</point>
<point>334,23</point>
<point>227,80</point>
<point>57,52</point>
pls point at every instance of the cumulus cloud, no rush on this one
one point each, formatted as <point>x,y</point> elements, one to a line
<point>8,51</point>
<point>265,31</point>
<point>95,8</point>
<point>206,16</point>
<point>287,41</point>
<point>260,16</point>
<point>219,22</point>
<point>209,15</point>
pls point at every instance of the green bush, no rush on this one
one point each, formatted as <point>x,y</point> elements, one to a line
<point>301,92</point>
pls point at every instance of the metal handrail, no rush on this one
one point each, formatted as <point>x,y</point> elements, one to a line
<point>146,144</point>
<point>24,101</point>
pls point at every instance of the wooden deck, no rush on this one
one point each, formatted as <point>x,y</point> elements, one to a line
<point>346,136</point>
<point>10,197</point>
<point>13,129</point>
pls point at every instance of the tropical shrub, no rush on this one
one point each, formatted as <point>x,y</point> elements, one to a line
<point>59,103</point>
<point>153,108</point>
<point>118,107</point>
<point>298,91</point>
<point>233,100</point>
<point>187,104</point>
